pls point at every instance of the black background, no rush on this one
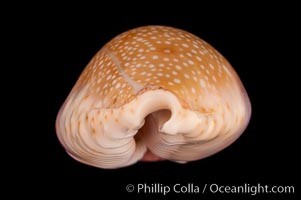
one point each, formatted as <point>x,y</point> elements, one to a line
<point>259,45</point>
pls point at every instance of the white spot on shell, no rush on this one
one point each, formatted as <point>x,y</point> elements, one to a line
<point>176,80</point>
<point>214,79</point>
<point>155,57</point>
<point>178,67</point>
<point>166,51</point>
<point>227,71</point>
<point>202,83</point>
<point>185,45</point>
<point>190,62</point>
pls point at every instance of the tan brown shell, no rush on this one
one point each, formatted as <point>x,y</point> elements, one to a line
<point>153,93</point>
